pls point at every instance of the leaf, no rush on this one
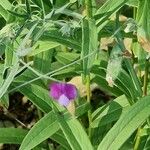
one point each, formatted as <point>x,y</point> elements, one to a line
<point>12,135</point>
<point>109,112</point>
<point>74,133</point>
<point>133,3</point>
<point>114,65</point>
<point>46,127</point>
<point>89,44</point>
<point>42,130</point>
<point>24,47</point>
<point>5,101</point>
<point>100,75</point>
<point>42,46</point>
<point>4,6</point>
<point>41,60</point>
<point>56,36</point>
<point>126,125</point>
<point>106,10</point>
<point>147,144</point>
<point>38,96</point>
<point>66,58</point>
<point>59,138</point>
<point>10,77</point>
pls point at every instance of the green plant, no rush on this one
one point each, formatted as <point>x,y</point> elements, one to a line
<point>56,41</point>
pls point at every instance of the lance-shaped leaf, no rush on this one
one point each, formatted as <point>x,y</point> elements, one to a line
<point>104,12</point>
<point>126,125</point>
<point>46,127</point>
<point>74,132</point>
<point>114,65</point>
<point>89,44</point>
<point>10,77</point>
<point>12,135</point>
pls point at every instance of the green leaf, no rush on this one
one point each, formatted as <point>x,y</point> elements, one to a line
<point>24,47</point>
<point>114,65</point>
<point>108,9</point>
<point>59,138</point>
<point>46,127</point>
<point>12,135</point>
<point>109,112</point>
<point>5,100</point>
<point>66,58</point>
<point>38,96</point>
<point>56,36</point>
<point>133,3</point>
<point>4,6</point>
<point>10,77</point>
<point>100,79</point>
<point>74,133</point>
<point>41,59</point>
<point>89,44</point>
<point>126,125</point>
<point>42,130</point>
<point>42,46</point>
<point>147,144</point>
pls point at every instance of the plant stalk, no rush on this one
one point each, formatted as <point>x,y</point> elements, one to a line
<point>88,8</point>
<point>88,90</point>
<point>89,14</point>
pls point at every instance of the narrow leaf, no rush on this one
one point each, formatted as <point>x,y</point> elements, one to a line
<point>126,125</point>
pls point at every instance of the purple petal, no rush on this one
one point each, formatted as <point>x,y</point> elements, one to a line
<point>55,90</point>
<point>70,91</point>
<point>63,100</point>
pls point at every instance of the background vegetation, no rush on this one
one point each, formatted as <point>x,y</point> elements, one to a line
<point>102,47</point>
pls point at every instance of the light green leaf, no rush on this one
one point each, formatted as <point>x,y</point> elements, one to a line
<point>66,58</point>
<point>56,36</point>
<point>109,112</point>
<point>42,46</point>
<point>89,44</point>
<point>126,125</point>
<point>108,9</point>
<point>38,96</point>
<point>4,6</point>
<point>46,127</point>
<point>42,130</point>
<point>60,138</point>
<point>12,135</point>
<point>74,133</point>
<point>10,78</point>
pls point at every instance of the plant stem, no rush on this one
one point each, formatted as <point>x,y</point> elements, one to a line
<point>138,138</point>
<point>146,78</point>
<point>89,14</point>
<point>88,90</point>
<point>88,5</point>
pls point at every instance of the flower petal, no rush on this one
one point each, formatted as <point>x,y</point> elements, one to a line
<point>55,90</point>
<point>63,100</point>
<point>70,91</point>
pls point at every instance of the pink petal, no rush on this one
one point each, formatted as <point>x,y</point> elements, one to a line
<point>55,90</point>
<point>70,91</point>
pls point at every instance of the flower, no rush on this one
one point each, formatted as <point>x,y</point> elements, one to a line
<point>63,93</point>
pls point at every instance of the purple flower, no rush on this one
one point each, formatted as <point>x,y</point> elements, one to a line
<point>63,92</point>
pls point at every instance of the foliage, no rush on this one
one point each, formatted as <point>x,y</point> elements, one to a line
<point>58,40</point>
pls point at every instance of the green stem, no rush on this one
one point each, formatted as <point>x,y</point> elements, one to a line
<point>146,78</point>
<point>138,139</point>
<point>89,14</point>
<point>88,5</point>
<point>88,90</point>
